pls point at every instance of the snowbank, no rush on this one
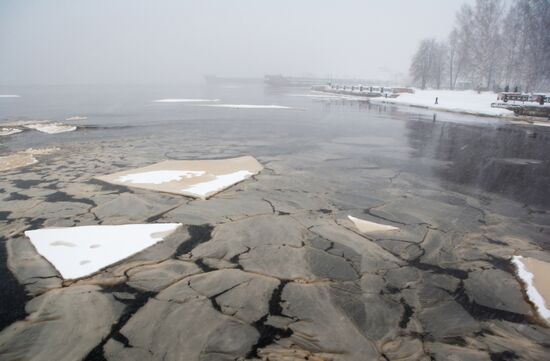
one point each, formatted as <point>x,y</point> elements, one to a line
<point>464,101</point>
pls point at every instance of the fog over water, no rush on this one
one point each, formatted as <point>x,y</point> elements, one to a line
<point>170,41</point>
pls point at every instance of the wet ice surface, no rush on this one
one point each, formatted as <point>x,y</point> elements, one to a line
<point>275,259</point>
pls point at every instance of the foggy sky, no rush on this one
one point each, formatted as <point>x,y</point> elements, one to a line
<point>173,41</point>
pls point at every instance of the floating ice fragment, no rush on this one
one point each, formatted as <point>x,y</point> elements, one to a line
<point>159,176</point>
<point>10,131</point>
<point>533,273</point>
<point>370,227</point>
<point>24,158</point>
<point>185,100</point>
<point>9,96</point>
<point>206,189</point>
<point>51,128</point>
<point>41,151</point>
<point>194,178</point>
<point>81,251</point>
<point>76,117</point>
<point>16,160</point>
<point>247,106</point>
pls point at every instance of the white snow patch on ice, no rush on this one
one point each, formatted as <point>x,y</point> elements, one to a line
<point>185,100</point>
<point>248,106</point>
<point>366,226</point>
<point>325,96</point>
<point>203,190</point>
<point>80,251</point>
<point>534,296</point>
<point>51,128</point>
<point>9,131</point>
<point>160,176</point>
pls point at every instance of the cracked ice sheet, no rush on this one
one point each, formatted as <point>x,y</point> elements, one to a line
<point>370,227</point>
<point>194,178</point>
<point>81,251</point>
<point>532,272</point>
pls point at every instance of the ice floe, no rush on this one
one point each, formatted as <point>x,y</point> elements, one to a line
<point>203,190</point>
<point>81,251</point>
<point>51,128</point>
<point>324,96</point>
<point>76,117</point>
<point>9,96</point>
<point>9,131</point>
<point>159,176</point>
<point>16,160</point>
<point>533,273</point>
<point>370,227</point>
<point>24,158</point>
<point>521,161</point>
<point>247,106</point>
<point>185,100</point>
<point>194,178</point>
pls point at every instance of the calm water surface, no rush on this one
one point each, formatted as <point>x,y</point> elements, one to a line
<point>473,154</point>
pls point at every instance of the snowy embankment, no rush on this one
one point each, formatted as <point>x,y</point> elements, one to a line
<point>463,101</point>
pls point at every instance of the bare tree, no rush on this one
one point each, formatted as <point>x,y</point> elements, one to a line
<point>487,24</point>
<point>489,49</point>
<point>460,42</point>
<point>439,64</point>
<point>422,63</point>
<point>536,21</point>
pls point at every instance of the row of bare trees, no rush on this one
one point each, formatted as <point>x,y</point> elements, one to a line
<point>490,48</point>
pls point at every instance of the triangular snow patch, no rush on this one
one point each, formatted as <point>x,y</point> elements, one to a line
<point>368,227</point>
<point>80,251</point>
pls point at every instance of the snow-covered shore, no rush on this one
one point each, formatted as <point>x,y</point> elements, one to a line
<point>463,101</point>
